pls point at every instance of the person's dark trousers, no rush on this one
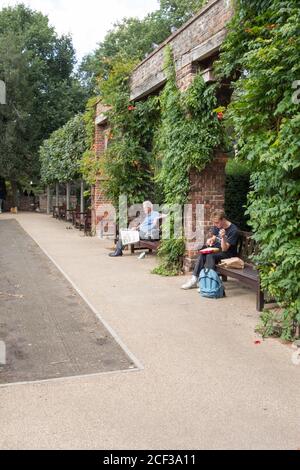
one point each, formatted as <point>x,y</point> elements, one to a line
<point>120,245</point>
<point>209,261</point>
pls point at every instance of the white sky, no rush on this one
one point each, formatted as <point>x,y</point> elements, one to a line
<point>86,20</point>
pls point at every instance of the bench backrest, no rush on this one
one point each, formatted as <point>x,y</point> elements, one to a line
<point>247,246</point>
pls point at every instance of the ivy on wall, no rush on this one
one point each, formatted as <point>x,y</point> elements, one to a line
<point>187,137</point>
<point>237,188</point>
<point>188,134</point>
<point>90,164</point>
<point>262,53</point>
<point>127,166</point>
<point>154,144</point>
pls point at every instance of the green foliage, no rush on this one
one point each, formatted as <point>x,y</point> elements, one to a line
<point>171,253</point>
<point>186,139</point>
<point>42,91</point>
<point>178,12</point>
<point>61,154</point>
<point>237,167</point>
<point>188,135</point>
<point>90,164</point>
<point>236,193</point>
<point>127,164</point>
<point>264,41</point>
<point>130,39</point>
<point>134,38</point>
<point>237,188</point>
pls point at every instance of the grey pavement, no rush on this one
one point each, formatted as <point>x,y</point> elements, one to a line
<point>48,330</point>
<point>205,383</point>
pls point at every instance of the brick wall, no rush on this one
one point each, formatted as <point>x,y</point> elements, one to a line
<point>195,46</point>
<point>208,190</point>
<point>196,40</point>
<point>102,211</point>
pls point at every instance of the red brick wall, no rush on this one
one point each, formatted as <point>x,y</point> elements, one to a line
<point>102,224</point>
<point>198,39</point>
<point>194,41</point>
<point>208,189</point>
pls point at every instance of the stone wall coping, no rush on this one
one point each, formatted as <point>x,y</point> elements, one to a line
<point>186,25</point>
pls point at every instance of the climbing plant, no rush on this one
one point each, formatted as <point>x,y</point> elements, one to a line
<point>61,154</point>
<point>189,132</point>
<point>90,164</point>
<point>237,188</point>
<point>262,54</point>
<point>127,164</point>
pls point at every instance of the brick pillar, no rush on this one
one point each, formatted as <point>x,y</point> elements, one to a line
<point>100,203</point>
<point>185,76</point>
<point>208,189</point>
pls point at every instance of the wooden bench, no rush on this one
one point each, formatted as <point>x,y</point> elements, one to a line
<point>150,245</point>
<point>249,275</point>
<point>88,223</point>
<point>62,212</point>
<point>55,212</point>
<point>80,220</point>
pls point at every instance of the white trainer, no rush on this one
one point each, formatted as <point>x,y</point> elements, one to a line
<point>191,284</point>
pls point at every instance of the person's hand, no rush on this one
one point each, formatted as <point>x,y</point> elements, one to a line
<point>222,233</point>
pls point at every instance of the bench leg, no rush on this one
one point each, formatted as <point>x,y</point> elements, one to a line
<point>224,278</point>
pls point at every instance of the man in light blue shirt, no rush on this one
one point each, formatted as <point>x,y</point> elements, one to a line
<point>149,228</point>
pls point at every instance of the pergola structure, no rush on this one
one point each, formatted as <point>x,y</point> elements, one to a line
<point>68,201</point>
<point>195,47</point>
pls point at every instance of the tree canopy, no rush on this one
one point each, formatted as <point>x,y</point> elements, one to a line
<point>42,90</point>
<point>133,38</point>
<point>61,154</point>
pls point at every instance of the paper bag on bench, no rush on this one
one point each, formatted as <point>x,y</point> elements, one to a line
<point>232,263</point>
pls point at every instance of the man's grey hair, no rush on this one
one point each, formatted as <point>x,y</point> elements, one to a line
<point>147,205</point>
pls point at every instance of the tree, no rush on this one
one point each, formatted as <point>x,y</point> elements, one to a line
<point>177,12</point>
<point>133,38</point>
<point>61,154</point>
<point>42,90</point>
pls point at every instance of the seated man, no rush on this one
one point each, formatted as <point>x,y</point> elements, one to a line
<point>148,229</point>
<point>224,235</point>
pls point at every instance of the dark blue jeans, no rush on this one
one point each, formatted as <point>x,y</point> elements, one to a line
<point>209,261</point>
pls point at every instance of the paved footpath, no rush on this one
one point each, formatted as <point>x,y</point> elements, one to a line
<point>48,330</point>
<point>205,384</point>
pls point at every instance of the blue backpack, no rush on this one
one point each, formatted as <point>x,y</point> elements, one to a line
<point>211,285</point>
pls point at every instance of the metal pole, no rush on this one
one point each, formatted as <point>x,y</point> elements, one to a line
<point>57,194</point>
<point>68,196</point>
<point>48,200</point>
<point>82,196</point>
